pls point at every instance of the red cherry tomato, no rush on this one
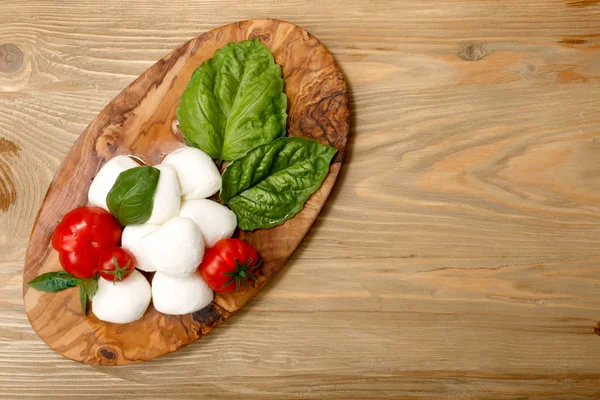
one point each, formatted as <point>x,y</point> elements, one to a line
<point>81,233</point>
<point>115,263</point>
<point>228,264</point>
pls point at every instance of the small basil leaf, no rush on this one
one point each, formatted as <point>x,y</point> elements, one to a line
<point>54,281</point>
<point>83,300</point>
<point>234,101</point>
<point>132,196</point>
<point>271,183</point>
<point>90,286</point>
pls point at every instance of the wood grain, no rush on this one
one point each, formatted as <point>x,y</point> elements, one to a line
<point>483,285</point>
<point>141,121</point>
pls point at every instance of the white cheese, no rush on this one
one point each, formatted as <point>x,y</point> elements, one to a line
<point>166,197</point>
<point>214,220</point>
<point>176,248</point>
<point>198,175</point>
<point>122,302</point>
<point>178,296</point>
<point>106,177</point>
<point>130,240</point>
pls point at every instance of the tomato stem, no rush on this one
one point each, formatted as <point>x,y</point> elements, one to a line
<point>119,272</point>
<point>241,274</point>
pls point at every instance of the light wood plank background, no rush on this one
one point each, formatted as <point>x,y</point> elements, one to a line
<point>458,256</point>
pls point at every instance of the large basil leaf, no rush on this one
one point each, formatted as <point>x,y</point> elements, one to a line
<point>132,196</point>
<point>234,101</point>
<point>54,281</point>
<point>271,183</point>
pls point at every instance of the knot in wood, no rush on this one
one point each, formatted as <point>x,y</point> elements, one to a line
<point>11,58</point>
<point>107,353</point>
<point>474,52</point>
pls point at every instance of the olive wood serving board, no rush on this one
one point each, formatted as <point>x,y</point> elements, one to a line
<point>141,121</point>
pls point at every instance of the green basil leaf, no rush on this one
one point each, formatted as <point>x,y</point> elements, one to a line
<point>90,286</point>
<point>83,300</point>
<point>234,101</point>
<point>54,281</point>
<point>271,183</point>
<point>132,196</point>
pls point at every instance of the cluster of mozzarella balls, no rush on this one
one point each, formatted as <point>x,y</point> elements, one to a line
<point>171,243</point>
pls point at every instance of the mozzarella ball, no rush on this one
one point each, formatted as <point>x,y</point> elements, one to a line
<point>178,296</point>
<point>214,220</point>
<point>130,240</point>
<point>198,175</point>
<point>167,198</point>
<point>176,248</point>
<point>122,302</point>
<point>106,177</point>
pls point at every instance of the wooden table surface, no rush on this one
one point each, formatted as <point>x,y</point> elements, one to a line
<point>458,256</point>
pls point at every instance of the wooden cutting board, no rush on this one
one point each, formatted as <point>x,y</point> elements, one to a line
<point>141,121</point>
